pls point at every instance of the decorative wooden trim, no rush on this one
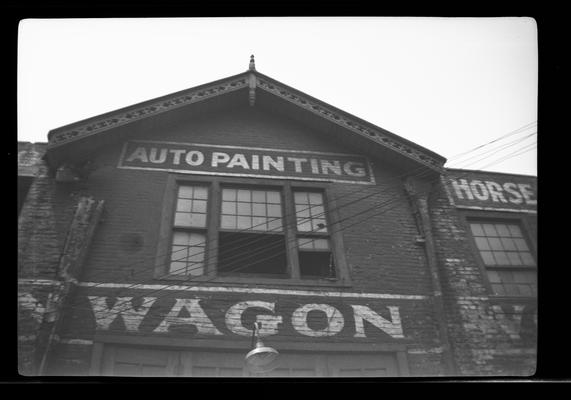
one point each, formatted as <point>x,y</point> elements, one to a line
<point>350,124</point>
<point>193,96</point>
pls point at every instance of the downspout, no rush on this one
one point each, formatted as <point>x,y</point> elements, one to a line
<point>82,228</point>
<point>419,203</point>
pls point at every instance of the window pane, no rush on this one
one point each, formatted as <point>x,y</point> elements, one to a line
<point>259,209</point>
<point>477,229</point>
<point>274,210</point>
<point>243,222</point>
<point>319,225</point>
<point>300,198</point>
<point>521,245</point>
<point>501,258</point>
<point>182,219</point>
<point>498,289</point>
<point>495,244</point>
<point>228,208</point>
<point>185,192</point>
<point>200,192</point>
<point>301,210</point>
<point>321,244</point>
<point>515,230</point>
<point>184,205</point>
<point>181,238</point>
<point>199,206</point>
<point>244,195</point>
<point>305,243</point>
<point>493,277</point>
<point>260,223</point>
<point>489,230</point>
<point>275,224</point>
<point>488,258</point>
<point>514,258</point>
<point>274,197</point>
<point>508,244</point>
<point>527,259</point>
<point>229,194</point>
<point>315,198</point>
<point>482,243</point>
<point>503,230</point>
<point>177,268</point>
<point>244,209</point>
<point>258,196</point>
<point>304,226</point>
<point>228,222</point>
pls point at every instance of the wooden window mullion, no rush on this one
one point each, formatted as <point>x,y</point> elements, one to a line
<point>213,221</point>
<point>290,233</point>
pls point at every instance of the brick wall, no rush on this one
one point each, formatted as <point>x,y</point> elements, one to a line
<point>490,335</point>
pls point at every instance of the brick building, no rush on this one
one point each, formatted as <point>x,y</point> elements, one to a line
<point>152,239</point>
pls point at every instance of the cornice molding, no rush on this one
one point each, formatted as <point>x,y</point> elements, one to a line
<point>350,124</point>
<point>193,96</point>
<point>252,80</point>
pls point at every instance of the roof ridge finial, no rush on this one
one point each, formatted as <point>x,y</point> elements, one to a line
<point>252,63</point>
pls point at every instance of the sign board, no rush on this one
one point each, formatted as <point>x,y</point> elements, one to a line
<point>201,159</point>
<point>482,190</point>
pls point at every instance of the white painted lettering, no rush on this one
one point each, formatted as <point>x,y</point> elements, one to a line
<point>240,160</point>
<point>354,169</point>
<point>314,166</point>
<point>123,307</point>
<point>218,157</point>
<point>335,321</point>
<point>268,161</point>
<point>527,194</point>
<point>194,158</point>
<point>198,318</point>
<point>462,186</point>
<point>177,153</point>
<point>297,163</point>
<point>139,154</point>
<point>511,188</point>
<point>393,327</point>
<point>268,323</point>
<point>479,190</point>
<point>495,191</point>
<point>327,166</point>
<point>160,159</point>
<point>255,162</point>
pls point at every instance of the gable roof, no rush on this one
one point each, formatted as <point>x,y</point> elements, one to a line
<point>72,142</point>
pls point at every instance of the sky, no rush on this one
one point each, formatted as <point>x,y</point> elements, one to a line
<point>465,88</point>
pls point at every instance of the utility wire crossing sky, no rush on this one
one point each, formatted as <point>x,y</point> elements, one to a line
<point>447,84</point>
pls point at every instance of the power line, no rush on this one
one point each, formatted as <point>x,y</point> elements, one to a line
<point>368,210</point>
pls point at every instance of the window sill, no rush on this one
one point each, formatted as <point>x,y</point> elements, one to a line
<point>334,283</point>
<point>512,299</point>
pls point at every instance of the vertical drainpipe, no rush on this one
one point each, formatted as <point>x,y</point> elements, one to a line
<point>419,204</point>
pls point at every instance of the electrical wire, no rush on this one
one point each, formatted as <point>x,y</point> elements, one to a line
<point>368,210</point>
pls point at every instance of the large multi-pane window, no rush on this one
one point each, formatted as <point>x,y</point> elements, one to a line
<point>251,237</point>
<point>507,257</point>
<point>223,228</point>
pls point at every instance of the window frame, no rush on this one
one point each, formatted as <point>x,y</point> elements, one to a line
<point>505,218</point>
<point>286,187</point>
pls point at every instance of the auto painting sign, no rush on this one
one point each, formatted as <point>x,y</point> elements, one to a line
<point>204,159</point>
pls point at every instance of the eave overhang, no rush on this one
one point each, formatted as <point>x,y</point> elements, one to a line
<point>73,142</point>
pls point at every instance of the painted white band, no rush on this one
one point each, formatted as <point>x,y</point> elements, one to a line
<point>221,289</point>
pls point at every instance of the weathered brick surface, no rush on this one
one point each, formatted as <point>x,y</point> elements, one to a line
<point>380,245</point>
<point>490,335</point>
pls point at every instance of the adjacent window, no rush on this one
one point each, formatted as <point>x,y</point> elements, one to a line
<point>507,257</point>
<point>314,248</point>
<point>223,228</point>
<point>189,234</point>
